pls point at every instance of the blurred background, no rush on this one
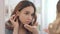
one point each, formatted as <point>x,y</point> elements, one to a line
<point>2,24</point>
<point>46,12</point>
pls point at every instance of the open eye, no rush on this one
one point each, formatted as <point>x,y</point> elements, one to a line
<point>26,12</point>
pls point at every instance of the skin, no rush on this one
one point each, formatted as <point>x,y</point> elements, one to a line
<point>25,15</point>
<point>46,30</point>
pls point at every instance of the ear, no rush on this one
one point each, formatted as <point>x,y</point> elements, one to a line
<point>17,13</point>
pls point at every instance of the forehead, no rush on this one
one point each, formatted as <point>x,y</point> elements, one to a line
<point>29,9</point>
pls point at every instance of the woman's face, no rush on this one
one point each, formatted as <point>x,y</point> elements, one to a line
<point>26,15</point>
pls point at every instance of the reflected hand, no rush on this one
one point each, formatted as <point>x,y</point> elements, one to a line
<point>46,30</point>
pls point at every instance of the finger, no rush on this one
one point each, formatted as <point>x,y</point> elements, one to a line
<point>15,17</point>
<point>36,24</point>
<point>17,20</point>
<point>28,26</point>
<point>12,16</point>
<point>46,30</point>
<point>11,19</point>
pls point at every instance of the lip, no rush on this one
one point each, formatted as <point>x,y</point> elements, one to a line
<point>28,21</point>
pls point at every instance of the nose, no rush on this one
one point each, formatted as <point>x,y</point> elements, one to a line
<point>29,17</point>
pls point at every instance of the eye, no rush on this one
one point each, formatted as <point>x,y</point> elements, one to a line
<point>27,12</point>
<point>32,14</point>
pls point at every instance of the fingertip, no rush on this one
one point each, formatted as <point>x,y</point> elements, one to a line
<point>36,24</point>
<point>25,25</point>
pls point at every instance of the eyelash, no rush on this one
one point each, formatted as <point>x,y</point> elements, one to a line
<point>28,13</point>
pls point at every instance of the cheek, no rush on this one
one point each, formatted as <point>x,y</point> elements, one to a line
<point>23,18</point>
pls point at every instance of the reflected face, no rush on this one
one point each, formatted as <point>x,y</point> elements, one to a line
<point>26,15</point>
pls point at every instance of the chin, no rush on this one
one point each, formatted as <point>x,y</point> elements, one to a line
<point>27,23</point>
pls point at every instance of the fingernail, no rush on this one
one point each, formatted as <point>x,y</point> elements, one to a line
<point>25,25</point>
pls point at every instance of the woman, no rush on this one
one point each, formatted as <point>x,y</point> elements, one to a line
<point>23,19</point>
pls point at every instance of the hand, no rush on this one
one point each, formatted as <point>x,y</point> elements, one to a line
<point>33,28</point>
<point>54,28</point>
<point>14,23</point>
<point>46,30</point>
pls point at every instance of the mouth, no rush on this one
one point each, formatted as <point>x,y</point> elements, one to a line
<point>28,22</point>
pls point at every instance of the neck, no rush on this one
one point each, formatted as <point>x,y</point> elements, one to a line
<point>21,26</point>
<point>22,29</point>
<point>58,15</point>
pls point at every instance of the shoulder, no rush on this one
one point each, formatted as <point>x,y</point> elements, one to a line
<point>7,31</point>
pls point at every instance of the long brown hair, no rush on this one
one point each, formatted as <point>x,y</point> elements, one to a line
<point>21,5</point>
<point>58,6</point>
<point>58,9</point>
